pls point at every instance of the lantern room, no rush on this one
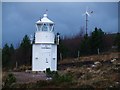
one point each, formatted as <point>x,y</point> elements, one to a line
<point>44,33</point>
<point>45,24</point>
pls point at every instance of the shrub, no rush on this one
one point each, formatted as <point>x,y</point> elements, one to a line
<point>9,80</point>
<point>62,78</point>
<point>88,87</point>
<point>52,74</point>
<point>65,78</point>
<point>59,79</point>
<point>24,67</point>
<point>41,83</point>
<point>48,72</point>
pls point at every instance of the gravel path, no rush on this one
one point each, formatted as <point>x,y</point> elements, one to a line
<point>25,77</point>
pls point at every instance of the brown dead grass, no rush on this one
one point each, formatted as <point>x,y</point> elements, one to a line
<point>101,76</point>
<point>101,57</point>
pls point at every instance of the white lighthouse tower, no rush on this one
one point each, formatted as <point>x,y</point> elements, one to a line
<point>44,50</point>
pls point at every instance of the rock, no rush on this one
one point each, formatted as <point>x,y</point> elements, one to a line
<point>28,71</point>
<point>113,60</point>
<point>97,63</point>
<point>48,78</point>
<point>93,65</point>
<point>117,82</point>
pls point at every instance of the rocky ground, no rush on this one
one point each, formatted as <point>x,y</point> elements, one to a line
<point>96,75</point>
<point>97,71</point>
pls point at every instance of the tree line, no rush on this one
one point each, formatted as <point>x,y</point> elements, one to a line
<point>72,47</point>
<point>95,43</point>
<point>20,56</point>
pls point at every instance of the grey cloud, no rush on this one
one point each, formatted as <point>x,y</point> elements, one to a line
<point>19,18</point>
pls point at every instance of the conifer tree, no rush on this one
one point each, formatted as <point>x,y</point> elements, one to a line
<point>97,40</point>
<point>5,55</point>
<point>85,45</point>
<point>25,50</point>
<point>117,41</point>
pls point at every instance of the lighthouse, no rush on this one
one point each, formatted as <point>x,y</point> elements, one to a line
<point>44,49</point>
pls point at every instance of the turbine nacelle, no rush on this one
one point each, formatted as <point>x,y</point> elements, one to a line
<point>87,13</point>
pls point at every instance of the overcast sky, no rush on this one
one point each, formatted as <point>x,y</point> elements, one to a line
<point>18,19</point>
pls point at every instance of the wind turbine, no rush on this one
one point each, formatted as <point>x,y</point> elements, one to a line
<point>86,18</point>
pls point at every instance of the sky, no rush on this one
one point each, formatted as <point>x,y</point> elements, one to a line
<point>18,18</point>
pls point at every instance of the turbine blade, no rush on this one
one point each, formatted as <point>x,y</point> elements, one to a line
<point>87,13</point>
<point>91,12</point>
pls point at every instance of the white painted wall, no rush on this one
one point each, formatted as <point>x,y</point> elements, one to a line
<point>44,37</point>
<point>44,51</point>
<point>54,58</point>
<point>44,56</point>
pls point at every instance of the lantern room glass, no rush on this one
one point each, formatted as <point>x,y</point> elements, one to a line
<point>45,27</point>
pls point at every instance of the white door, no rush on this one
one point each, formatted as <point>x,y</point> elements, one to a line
<point>47,58</point>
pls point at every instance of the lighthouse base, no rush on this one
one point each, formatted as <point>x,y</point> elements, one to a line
<point>44,56</point>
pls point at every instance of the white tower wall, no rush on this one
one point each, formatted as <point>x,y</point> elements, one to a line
<point>44,50</point>
<point>44,37</point>
<point>44,56</point>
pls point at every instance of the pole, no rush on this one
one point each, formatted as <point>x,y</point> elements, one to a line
<point>86,23</point>
<point>60,56</point>
<point>78,54</point>
<point>16,64</point>
<point>98,51</point>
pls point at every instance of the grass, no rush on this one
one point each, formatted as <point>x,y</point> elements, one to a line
<point>102,76</point>
<point>10,79</point>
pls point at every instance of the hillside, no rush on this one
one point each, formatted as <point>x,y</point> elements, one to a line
<point>95,71</point>
<point>98,71</point>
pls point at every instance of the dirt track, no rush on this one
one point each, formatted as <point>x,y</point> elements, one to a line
<point>25,77</point>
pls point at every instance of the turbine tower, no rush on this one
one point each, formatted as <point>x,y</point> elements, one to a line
<point>86,19</point>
